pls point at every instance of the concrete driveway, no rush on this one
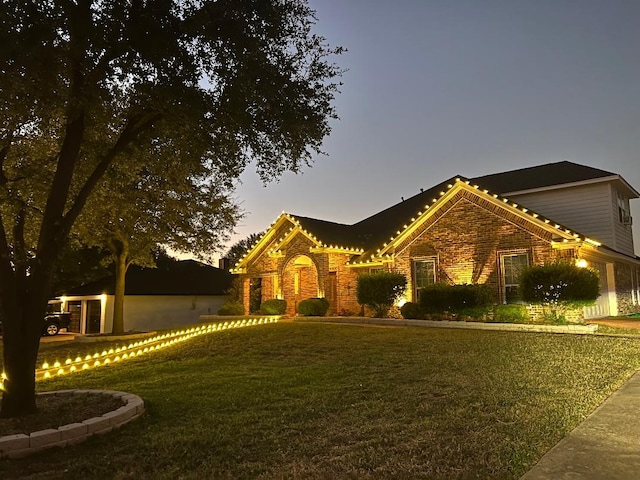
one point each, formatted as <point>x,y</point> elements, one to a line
<point>618,322</point>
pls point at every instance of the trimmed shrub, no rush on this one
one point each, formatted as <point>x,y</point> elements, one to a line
<point>434,298</point>
<point>411,310</point>
<point>314,307</point>
<point>472,300</point>
<point>232,307</point>
<point>558,287</point>
<point>379,291</point>
<point>560,282</point>
<point>275,306</point>
<point>511,313</point>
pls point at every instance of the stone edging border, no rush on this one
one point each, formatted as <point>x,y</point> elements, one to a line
<point>509,327</point>
<point>21,445</point>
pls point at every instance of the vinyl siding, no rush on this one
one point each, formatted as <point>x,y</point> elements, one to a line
<point>585,209</point>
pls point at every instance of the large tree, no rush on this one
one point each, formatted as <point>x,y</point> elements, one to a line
<point>163,201</point>
<point>88,85</point>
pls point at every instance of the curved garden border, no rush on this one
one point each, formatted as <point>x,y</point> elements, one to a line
<point>21,445</point>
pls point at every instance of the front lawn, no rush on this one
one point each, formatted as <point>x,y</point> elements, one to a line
<point>340,401</point>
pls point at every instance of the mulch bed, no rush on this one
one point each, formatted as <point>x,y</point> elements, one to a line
<point>56,411</point>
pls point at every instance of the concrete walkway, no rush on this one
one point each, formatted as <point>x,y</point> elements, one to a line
<point>605,446</point>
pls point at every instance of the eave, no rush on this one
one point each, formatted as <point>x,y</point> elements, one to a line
<point>560,233</point>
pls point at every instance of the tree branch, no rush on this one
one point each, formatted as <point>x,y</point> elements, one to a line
<point>134,128</point>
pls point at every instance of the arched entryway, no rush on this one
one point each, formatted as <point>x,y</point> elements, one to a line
<point>300,281</point>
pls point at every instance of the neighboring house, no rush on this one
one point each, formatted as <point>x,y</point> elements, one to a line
<point>482,230</point>
<point>154,298</point>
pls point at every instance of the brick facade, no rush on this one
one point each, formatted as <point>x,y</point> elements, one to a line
<point>627,288</point>
<point>466,241</point>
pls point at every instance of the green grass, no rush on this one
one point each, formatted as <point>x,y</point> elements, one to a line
<point>336,401</point>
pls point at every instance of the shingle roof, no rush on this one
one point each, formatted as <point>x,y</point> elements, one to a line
<point>329,233</point>
<point>374,230</point>
<point>559,173</point>
<point>187,277</point>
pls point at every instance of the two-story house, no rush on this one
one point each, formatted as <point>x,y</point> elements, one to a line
<point>480,230</point>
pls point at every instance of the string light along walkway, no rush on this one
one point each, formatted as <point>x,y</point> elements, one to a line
<point>136,349</point>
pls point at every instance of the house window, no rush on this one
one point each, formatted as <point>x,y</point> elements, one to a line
<point>424,274</point>
<point>624,215</point>
<point>512,265</point>
<point>376,270</point>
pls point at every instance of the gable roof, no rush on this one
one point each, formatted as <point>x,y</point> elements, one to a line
<point>373,239</point>
<point>543,177</point>
<point>187,277</point>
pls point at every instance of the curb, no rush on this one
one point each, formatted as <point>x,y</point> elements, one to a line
<point>21,445</point>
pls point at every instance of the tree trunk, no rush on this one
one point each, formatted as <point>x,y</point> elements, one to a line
<point>22,325</point>
<point>118,303</point>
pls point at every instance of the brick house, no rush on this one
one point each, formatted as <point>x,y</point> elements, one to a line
<point>481,230</point>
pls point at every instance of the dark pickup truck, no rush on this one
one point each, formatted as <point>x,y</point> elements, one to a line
<point>53,323</point>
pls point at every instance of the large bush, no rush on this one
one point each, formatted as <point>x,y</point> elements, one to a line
<point>274,306</point>
<point>558,286</point>
<point>560,283</point>
<point>473,300</point>
<point>379,291</point>
<point>315,307</point>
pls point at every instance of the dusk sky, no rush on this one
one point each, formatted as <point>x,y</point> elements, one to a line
<point>438,88</point>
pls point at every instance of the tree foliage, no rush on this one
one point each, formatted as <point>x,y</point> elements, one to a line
<point>96,95</point>
<point>235,253</point>
<point>379,291</point>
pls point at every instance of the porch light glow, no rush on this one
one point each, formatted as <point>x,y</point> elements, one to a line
<point>581,263</point>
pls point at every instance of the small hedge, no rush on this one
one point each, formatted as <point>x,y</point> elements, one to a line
<point>512,313</point>
<point>470,300</point>
<point>275,306</point>
<point>411,310</point>
<point>314,307</point>
<point>231,308</point>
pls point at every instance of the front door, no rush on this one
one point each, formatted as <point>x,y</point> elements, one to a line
<point>75,308</point>
<point>94,315</point>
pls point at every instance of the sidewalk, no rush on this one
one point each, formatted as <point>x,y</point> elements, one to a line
<point>605,446</point>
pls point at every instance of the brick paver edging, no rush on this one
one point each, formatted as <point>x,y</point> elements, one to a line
<point>510,327</point>
<point>21,445</point>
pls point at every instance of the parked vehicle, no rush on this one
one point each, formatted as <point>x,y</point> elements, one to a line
<point>53,323</point>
